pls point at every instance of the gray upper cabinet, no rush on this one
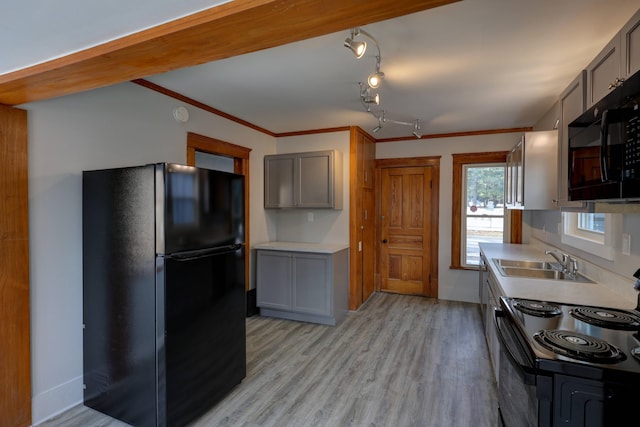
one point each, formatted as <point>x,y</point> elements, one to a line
<point>532,172</point>
<point>572,104</point>
<point>303,180</point>
<point>603,73</point>
<point>630,45</point>
<point>619,59</point>
<point>278,181</point>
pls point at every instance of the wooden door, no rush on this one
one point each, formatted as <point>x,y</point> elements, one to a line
<point>406,221</point>
<point>15,357</point>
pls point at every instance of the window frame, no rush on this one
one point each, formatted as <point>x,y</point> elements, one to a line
<point>599,244</point>
<point>513,218</point>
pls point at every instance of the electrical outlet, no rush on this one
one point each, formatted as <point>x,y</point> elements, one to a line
<point>309,216</point>
<point>626,244</point>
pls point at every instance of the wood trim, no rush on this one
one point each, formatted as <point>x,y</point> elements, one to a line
<point>240,155</point>
<point>434,203</point>
<point>314,131</point>
<point>233,28</point>
<point>15,366</point>
<point>515,228</point>
<point>408,162</point>
<point>459,160</point>
<point>180,97</point>
<point>457,134</point>
<point>175,95</point>
<point>355,291</point>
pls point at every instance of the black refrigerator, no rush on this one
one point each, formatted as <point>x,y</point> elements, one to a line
<point>163,291</point>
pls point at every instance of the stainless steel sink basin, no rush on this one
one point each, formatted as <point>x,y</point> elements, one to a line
<point>544,265</point>
<point>536,270</point>
<point>536,273</point>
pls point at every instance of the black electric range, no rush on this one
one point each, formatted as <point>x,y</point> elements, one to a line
<point>587,341</point>
<point>567,365</point>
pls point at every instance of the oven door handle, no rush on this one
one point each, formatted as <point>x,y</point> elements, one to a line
<point>527,373</point>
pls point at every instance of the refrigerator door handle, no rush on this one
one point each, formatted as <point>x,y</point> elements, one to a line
<point>203,253</point>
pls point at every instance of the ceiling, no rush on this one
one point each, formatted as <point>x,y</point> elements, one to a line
<point>467,66</point>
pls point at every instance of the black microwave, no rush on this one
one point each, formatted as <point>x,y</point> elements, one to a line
<point>604,147</point>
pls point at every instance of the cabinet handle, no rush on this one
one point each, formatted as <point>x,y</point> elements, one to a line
<point>384,241</point>
<point>616,83</point>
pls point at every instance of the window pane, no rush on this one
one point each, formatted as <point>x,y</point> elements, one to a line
<point>485,186</point>
<point>591,222</point>
<point>481,230</point>
<point>483,216</point>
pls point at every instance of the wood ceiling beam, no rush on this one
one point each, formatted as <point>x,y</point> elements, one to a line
<point>234,28</point>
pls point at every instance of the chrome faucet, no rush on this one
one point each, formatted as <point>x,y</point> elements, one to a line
<point>567,262</point>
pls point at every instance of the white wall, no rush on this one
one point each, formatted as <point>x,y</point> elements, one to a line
<point>116,126</point>
<point>459,285</point>
<point>328,226</point>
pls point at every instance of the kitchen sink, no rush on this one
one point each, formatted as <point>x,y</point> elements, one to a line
<point>544,265</point>
<point>536,270</point>
<point>537,273</point>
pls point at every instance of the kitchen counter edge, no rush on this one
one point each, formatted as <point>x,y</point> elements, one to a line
<point>560,291</point>
<point>325,248</point>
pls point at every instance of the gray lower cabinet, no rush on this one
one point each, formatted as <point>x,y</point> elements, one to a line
<point>305,286</point>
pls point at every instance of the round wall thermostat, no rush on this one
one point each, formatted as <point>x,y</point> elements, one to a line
<point>181,114</point>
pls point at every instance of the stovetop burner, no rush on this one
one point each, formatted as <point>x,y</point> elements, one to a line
<point>578,346</point>
<point>607,318</point>
<point>537,308</point>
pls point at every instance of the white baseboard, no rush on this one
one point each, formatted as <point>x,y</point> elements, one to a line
<point>54,401</point>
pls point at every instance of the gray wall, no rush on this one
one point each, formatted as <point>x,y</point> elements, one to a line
<point>459,285</point>
<point>116,126</point>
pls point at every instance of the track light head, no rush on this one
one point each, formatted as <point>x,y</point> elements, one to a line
<point>372,99</point>
<point>358,48</point>
<point>416,129</point>
<point>375,79</point>
<point>380,122</point>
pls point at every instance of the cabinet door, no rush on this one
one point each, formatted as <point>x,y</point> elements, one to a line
<point>603,72</point>
<point>509,187</point>
<point>278,183</point>
<point>630,39</point>
<point>518,179</point>
<point>314,187</point>
<point>572,104</point>
<point>312,289</point>
<point>273,279</point>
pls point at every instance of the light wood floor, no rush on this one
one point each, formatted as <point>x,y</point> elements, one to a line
<point>398,361</point>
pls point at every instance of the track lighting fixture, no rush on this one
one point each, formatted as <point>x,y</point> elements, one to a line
<point>358,48</point>
<point>375,79</point>
<point>366,97</point>
<point>416,129</point>
<point>372,99</point>
<point>380,121</point>
<point>373,82</point>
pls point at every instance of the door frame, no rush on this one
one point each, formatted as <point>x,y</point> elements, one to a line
<point>434,204</point>
<point>240,155</point>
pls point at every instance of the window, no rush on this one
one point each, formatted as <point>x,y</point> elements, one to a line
<point>483,211</point>
<point>478,212</point>
<point>590,232</point>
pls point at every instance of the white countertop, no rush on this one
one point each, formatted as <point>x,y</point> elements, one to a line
<point>326,248</point>
<point>561,291</point>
